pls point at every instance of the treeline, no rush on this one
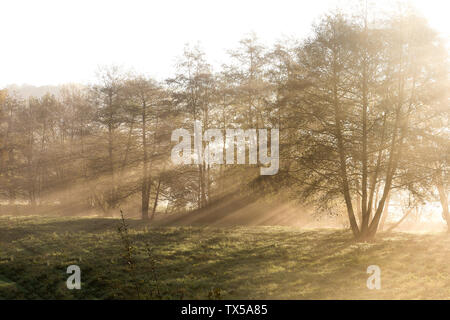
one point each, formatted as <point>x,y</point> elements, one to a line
<point>361,106</point>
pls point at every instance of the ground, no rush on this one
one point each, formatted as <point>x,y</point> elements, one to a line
<point>258,262</point>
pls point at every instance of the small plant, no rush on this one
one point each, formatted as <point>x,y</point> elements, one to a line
<point>154,274</point>
<point>128,252</point>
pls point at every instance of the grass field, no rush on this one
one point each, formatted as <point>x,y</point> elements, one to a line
<point>226,263</point>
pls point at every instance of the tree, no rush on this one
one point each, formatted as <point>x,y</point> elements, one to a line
<point>109,98</point>
<point>364,86</point>
<point>146,97</point>
<point>193,93</point>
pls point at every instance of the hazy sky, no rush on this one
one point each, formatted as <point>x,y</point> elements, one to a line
<point>53,42</point>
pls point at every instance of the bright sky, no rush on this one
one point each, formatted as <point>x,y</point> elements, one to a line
<point>59,41</point>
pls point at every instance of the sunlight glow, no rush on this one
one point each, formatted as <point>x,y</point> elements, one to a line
<point>53,42</point>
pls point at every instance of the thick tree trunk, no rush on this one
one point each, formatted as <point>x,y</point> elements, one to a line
<point>344,180</point>
<point>394,157</point>
<point>343,166</point>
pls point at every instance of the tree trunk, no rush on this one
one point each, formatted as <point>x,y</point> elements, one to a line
<point>444,203</point>
<point>342,162</point>
<point>155,203</point>
<point>145,195</point>
<point>385,212</point>
<point>146,185</point>
<point>358,204</point>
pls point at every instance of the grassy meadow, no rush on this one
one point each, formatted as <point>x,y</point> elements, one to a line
<point>214,263</point>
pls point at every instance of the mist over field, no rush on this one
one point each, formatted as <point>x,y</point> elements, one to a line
<point>313,166</point>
